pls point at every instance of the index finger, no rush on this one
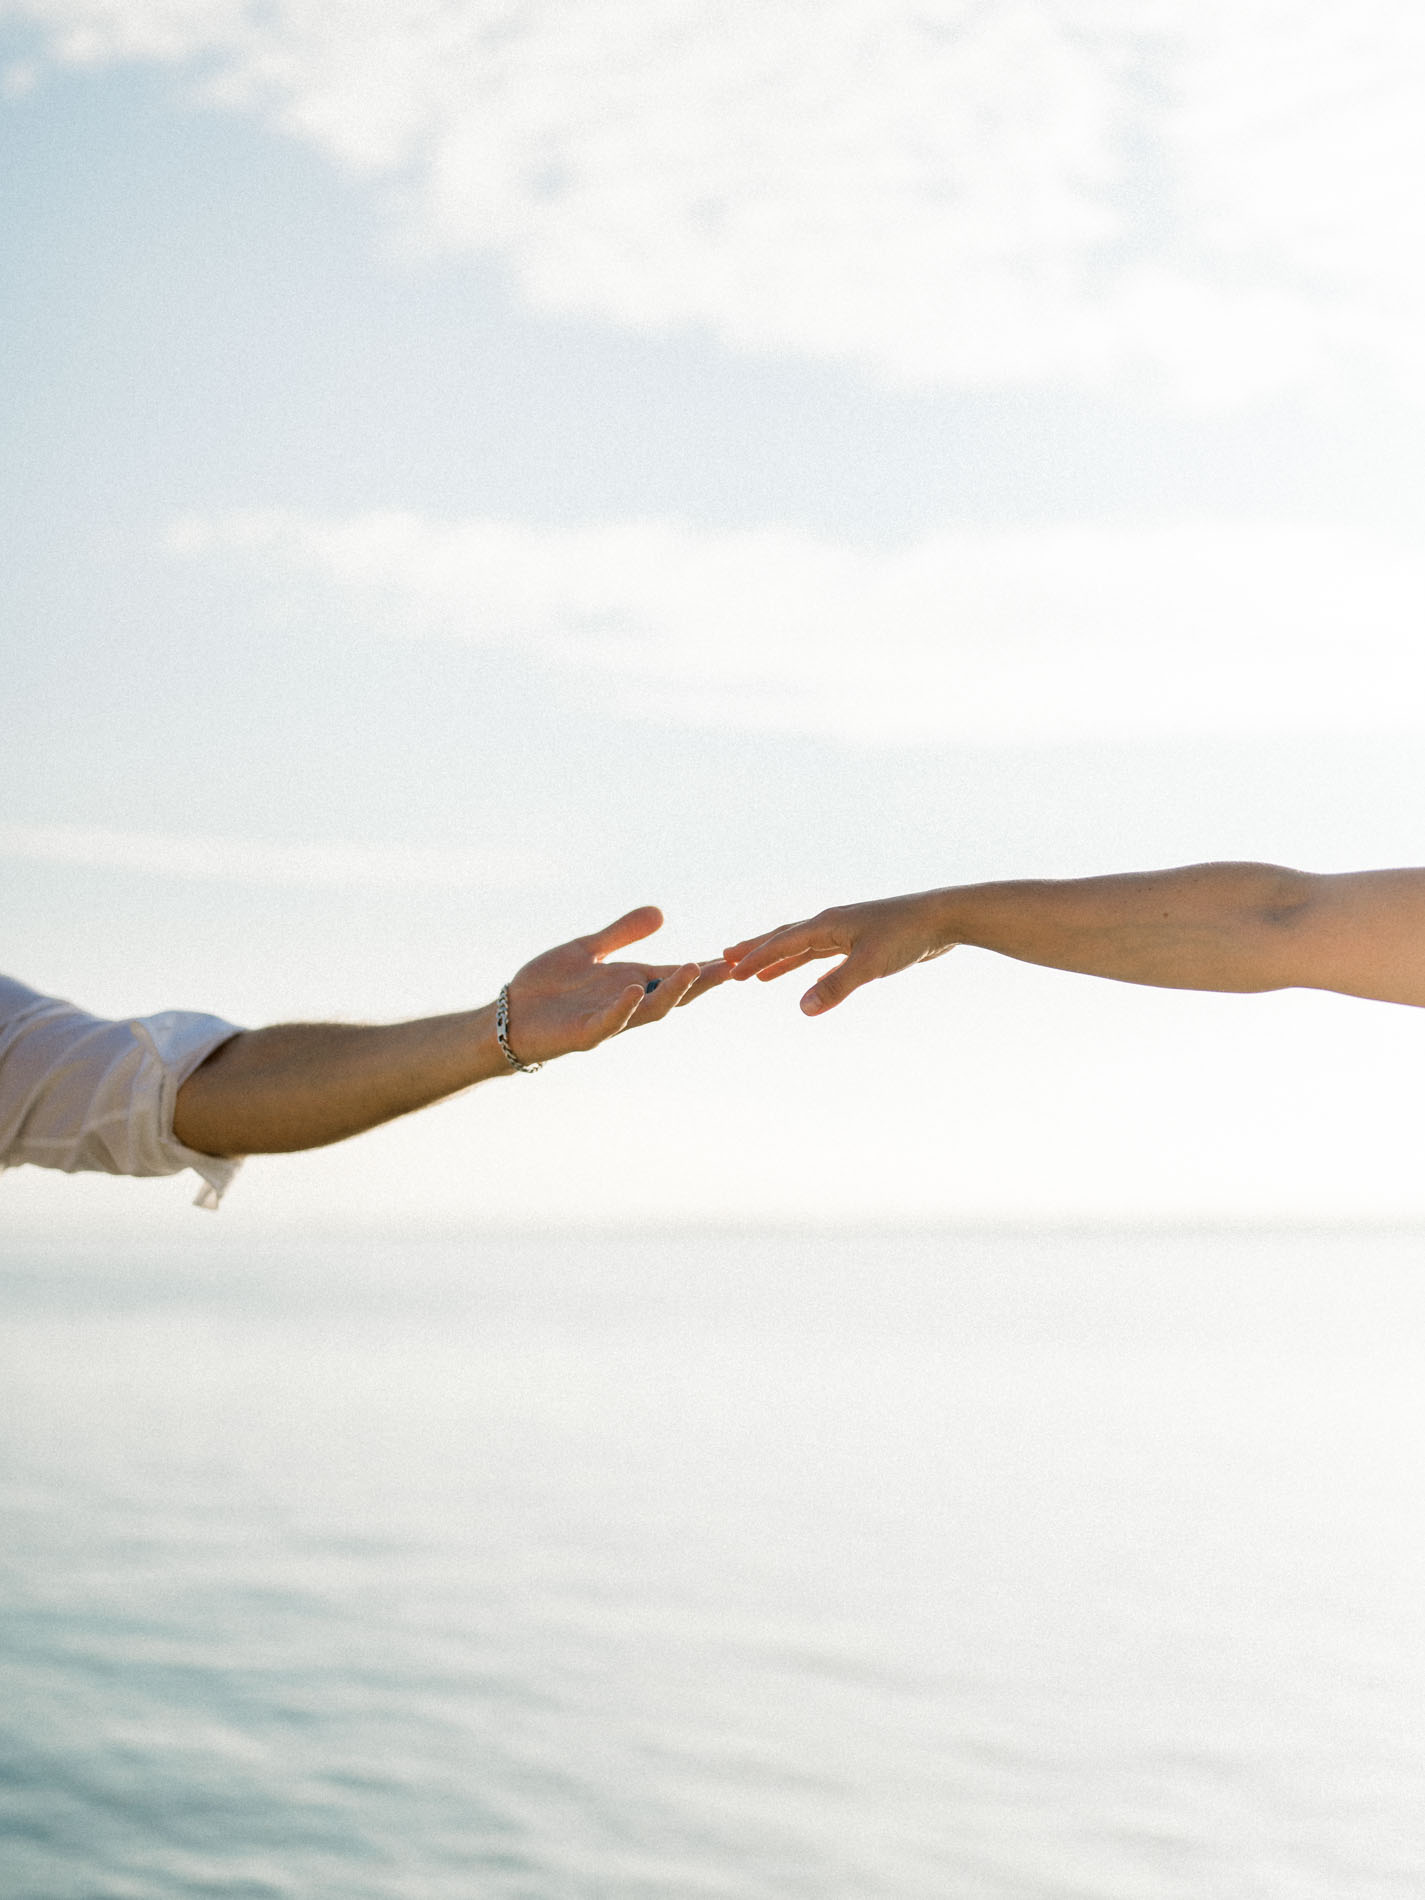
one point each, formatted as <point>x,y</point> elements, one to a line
<point>794,941</point>
<point>624,930</point>
<point>735,952</point>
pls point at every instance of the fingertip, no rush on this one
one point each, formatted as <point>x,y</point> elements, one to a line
<point>625,1009</point>
<point>813,1003</point>
<point>709,976</point>
<point>623,931</point>
<point>740,953</point>
<point>624,1004</point>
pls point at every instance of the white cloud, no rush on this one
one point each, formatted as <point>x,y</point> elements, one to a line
<point>249,861</point>
<point>984,635</point>
<point>1220,195</point>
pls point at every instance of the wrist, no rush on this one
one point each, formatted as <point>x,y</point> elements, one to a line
<point>478,1051</point>
<point>517,1064</point>
<point>941,919</point>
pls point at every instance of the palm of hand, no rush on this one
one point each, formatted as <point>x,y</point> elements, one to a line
<point>570,998</point>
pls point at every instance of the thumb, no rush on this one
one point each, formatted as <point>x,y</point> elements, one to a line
<point>836,986</point>
<point>623,931</point>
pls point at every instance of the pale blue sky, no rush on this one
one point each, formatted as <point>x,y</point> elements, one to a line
<point>1180,586</point>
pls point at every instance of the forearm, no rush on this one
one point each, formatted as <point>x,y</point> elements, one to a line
<point>1201,927</point>
<point>305,1085</point>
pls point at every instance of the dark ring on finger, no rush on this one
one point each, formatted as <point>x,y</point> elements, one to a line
<point>651,985</point>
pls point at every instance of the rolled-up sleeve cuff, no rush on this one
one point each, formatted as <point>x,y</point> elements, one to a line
<point>81,1093</point>
<point>182,1041</point>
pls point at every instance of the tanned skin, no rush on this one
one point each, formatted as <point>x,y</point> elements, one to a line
<point>1200,927</point>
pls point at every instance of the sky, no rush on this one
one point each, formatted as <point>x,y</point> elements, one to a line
<point>471,468</point>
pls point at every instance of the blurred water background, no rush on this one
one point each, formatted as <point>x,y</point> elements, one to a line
<point>715,1565</point>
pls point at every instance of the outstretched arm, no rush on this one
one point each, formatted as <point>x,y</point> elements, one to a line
<point>303,1085</point>
<point>1201,927</point>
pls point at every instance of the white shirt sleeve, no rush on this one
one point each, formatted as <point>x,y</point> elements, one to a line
<point>78,1092</point>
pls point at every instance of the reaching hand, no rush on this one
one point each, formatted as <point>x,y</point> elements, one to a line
<point>570,998</point>
<point>874,939</point>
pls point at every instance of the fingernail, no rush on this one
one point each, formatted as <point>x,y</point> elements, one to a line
<point>811,1005</point>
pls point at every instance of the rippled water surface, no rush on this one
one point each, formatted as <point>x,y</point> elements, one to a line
<point>920,1567</point>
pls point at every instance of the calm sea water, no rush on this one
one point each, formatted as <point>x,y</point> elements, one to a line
<point>938,1566</point>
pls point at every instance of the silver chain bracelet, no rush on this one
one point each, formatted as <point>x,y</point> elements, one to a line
<point>502,1036</point>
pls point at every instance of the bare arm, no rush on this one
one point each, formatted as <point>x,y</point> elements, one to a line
<point>304,1085</point>
<point>1200,927</point>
